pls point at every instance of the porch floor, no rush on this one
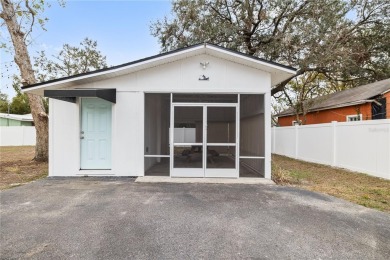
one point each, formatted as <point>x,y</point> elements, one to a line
<point>220,162</point>
<point>165,179</point>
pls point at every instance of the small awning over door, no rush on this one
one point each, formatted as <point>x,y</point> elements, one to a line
<point>70,95</point>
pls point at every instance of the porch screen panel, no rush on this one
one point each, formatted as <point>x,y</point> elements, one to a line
<point>252,168</point>
<point>157,166</point>
<point>252,135</point>
<point>157,121</point>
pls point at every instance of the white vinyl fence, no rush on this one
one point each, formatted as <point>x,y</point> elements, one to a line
<point>184,135</point>
<point>17,135</point>
<point>362,146</point>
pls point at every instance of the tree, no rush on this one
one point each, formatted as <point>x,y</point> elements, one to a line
<point>71,60</point>
<point>299,94</point>
<point>3,103</point>
<point>20,105</point>
<point>302,92</point>
<point>20,20</point>
<point>346,41</point>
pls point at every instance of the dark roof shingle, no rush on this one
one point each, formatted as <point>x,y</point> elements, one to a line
<point>347,97</point>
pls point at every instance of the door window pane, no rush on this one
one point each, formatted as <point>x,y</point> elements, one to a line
<point>190,156</point>
<point>188,125</point>
<point>221,157</point>
<point>221,125</point>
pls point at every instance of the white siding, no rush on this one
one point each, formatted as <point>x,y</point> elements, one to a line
<point>64,138</point>
<point>267,131</point>
<point>183,75</point>
<point>128,112</point>
<point>128,140</point>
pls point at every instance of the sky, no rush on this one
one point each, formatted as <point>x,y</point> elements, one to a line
<point>120,27</point>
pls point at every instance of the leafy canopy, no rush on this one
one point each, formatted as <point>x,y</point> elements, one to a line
<point>71,60</point>
<point>3,103</point>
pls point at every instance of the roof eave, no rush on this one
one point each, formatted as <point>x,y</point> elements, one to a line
<point>279,72</point>
<point>387,91</point>
<point>111,70</point>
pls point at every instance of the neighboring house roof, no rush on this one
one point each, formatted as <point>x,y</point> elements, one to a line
<point>26,117</point>
<point>349,97</point>
<point>278,71</point>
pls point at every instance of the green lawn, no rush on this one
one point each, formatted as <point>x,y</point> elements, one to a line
<point>18,167</point>
<point>356,187</point>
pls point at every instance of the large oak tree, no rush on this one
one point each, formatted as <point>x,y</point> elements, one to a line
<point>343,41</point>
<point>20,17</point>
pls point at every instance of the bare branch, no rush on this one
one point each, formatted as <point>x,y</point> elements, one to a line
<point>33,14</point>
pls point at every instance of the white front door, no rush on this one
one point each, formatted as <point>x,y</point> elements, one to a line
<point>95,134</point>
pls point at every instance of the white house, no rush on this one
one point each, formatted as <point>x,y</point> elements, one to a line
<point>200,111</point>
<point>16,120</point>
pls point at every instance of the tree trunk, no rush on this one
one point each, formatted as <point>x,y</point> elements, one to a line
<point>23,61</point>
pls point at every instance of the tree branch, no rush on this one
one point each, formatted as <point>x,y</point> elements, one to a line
<point>228,19</point>
<point>33,13</point>
<point>282,85</point>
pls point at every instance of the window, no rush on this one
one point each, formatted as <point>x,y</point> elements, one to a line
<point>351,118</point>
<point>378,109</point>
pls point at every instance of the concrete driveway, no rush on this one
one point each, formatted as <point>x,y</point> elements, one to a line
<point>119,219</point>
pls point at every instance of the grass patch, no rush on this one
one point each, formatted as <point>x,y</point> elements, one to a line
<point>300,175</point>
<point>359,188</point>
<point>18,167</point>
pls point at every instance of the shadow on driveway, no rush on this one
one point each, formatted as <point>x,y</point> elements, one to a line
<point>111,218</point>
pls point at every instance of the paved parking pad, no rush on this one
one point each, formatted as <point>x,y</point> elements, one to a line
<point>117,218</point>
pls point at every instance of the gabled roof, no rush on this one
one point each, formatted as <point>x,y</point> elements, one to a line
<point>278,71</point>
<point>26,117</point>
<point>349,97</point>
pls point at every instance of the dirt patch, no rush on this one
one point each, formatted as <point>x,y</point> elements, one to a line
<point>17,166</point>
<point>356,187</point>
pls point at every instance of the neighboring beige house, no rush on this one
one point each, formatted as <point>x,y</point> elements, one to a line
<point>16,120</point>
